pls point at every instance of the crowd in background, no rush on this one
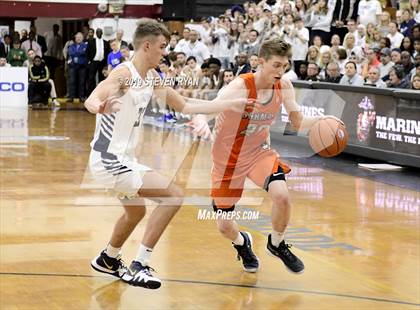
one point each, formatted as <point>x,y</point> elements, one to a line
<point>348,42</point>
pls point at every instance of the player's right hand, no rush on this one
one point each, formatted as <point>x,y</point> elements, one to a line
<point>110,105</point>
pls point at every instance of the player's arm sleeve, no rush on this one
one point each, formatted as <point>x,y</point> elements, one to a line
<point>299,121</point>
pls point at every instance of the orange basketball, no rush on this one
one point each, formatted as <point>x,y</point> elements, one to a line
<point>328,137</point>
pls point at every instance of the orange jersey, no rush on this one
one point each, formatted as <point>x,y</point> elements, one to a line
<point>238,137</point>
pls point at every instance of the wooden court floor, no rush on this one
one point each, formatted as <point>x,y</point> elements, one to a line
<point>359,239</point>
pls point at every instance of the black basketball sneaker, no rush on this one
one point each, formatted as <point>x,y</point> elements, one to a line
<point>290,260</point>
<point>139,275</point>
<point>249,259</point>
<point>109,265</point>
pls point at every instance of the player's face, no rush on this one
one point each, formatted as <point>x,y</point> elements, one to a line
<point>157,50</point>
<point>274,68</point>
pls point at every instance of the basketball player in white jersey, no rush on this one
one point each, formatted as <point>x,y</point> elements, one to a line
<point>120,105</point>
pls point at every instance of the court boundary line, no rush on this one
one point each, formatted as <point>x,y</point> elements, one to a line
<point>279,289</point>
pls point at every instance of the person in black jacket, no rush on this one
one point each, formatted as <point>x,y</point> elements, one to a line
<point>39,87</point>
<point>333,74</point>
<point>40,40</point>
<point>242,66</point>
<point>97,52</point>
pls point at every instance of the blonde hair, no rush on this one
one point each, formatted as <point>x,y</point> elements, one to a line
<point>147,27</point>
<point>274,47</point>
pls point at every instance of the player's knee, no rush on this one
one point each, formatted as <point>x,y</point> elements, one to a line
<point>280,199</point>
<point>224,226</point>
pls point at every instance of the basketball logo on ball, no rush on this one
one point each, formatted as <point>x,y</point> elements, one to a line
<point>328,137</point>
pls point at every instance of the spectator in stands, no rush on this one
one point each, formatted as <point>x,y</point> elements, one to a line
<point>172,43</point>
<point>39,39</point>
<point>119,38</point>
<point>227,77</point>
<point>415,32</point>
<point>16,56</point>
<point>396,56</point>
<point>303,71</point>
<point>386,63</point>
<point>29,62</point>
<point>350,45</point>
<point>369,12</point>
<point>252,45</point>
<point>3,62</point>
<point>253,62</point>
<point>23,35</point>
<point>67,59</point>
<point>352,28</point>
<point>415,8</point>
<point>416,45</point>
<point>416,82</point>
<point>407,45</point>
<point>341,15</point>
<point>320,21</point>
<point>114,57</point>
<point>396,78</point>
<point>313,54</point>
<point>300,39</point>
<point>341,58</point>
<point>196,48</point>
<point>370,61</point>
<point>312,72</point>
<point>383,27</point>
<point>374,40</point>
<point>32,44</point>
<point>325,59</point>
<point>333,74</point>
<point>394,35</point>
<point>39,87</point>
<point>290,73</point>
<point>77,68</point>
<point>54,54</point>
<point>126,54</point>
<point>407,23</point>
<point>361,36</point>
<point>7,41</point>
<point>185,40</point>
<point>351,77</point>
<point>374,78</point>
<point>384,42</point>
<point>30,56</point>
<point>241,65</point>
<point>214,67</point>
<point>335,43</point>
<point>97,52</point>
<point>406,63</point>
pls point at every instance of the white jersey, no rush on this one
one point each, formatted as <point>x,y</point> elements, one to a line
<point>118,133</point>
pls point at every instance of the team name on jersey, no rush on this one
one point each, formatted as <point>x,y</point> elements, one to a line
<point>257,116</point>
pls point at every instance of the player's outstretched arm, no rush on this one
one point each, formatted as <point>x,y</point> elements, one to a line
<point>197,106</point>
<point>105,98</point>
<point>296,117</point>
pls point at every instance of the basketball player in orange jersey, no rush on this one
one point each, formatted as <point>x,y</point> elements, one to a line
<point>120,102</point>
<point>241,149</point>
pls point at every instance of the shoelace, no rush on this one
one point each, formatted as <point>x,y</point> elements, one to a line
<point>287,252</point>
<point>147,270</point>
<point>245,254</point>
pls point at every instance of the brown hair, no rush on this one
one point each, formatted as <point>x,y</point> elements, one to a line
<point>147,27</point>
<point>274,47</point>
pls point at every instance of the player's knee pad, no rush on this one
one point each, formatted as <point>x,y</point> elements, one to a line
<point>278,175</point>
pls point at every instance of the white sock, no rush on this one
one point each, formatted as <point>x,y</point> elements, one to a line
<point>239,240</point>
<point>276,237</point>
<point>111,251</point>
<point>143,255</point>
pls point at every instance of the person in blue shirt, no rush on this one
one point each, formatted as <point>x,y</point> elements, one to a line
<point>115,57</point>
<point>77,68</point>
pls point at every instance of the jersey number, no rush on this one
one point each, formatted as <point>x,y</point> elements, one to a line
<point>254,128</point>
